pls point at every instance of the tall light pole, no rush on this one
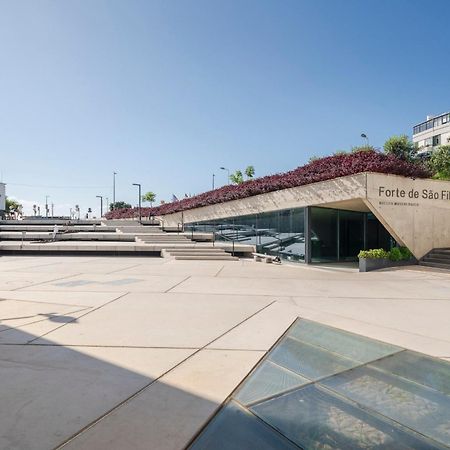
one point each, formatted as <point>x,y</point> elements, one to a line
<point>214,176</point>
<point>46,205</point>
<point>107,204</point>
<point>364,136</point>
<point>114,190</point>
<point>228,172</point>
<point>140,198</point>
<point>101,204</point>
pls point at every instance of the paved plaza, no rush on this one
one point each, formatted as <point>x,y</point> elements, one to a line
<point>139,353</point>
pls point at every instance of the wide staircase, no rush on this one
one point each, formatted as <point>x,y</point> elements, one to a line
<point>198,253</point>
<point>162,238</point>
<point>438,257</point>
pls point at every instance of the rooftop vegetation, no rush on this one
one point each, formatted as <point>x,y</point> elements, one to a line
<point>318,169</point>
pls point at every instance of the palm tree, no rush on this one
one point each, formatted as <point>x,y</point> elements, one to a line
<point>149,197</point>
<point>250,172</point>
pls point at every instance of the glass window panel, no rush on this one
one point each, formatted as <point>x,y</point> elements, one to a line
<point>266,381</point>
<point>235,428</point>
<point>307,360</point>
<point>419,368</point>
<point>377,235</point>
<point>351,234</point>
<point>314,419</point>
<point>411,404</point>
<point>324,234</point>
<point>346,344</point>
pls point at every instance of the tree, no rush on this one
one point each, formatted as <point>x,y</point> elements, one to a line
<point>439,162</point>
<point>13,207</point>
<point>119,205</point>
<point>401,147</point>
<point>149,197</point>
<point>237,177</point>
<point>250,172</point>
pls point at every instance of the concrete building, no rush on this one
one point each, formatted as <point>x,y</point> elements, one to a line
<point>334,219</point>
<point>431,133</point>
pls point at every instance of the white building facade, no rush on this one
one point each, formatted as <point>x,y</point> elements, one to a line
<point>432,133</point>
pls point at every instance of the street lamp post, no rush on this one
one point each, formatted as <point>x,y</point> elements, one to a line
<point>228,172</point>
<point>364,136</point>
<point>114,190</point>
<point>140,198</point>
<point>46,205</point>
<point>214,176</point>
<point>101,204</point>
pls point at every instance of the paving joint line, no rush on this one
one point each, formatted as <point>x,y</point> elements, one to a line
<point>40,302</point>
<point>119,270</point>
<point>83,315</point>
<point>220,270</point>
<point>144,388</point>
<point>177,284</point>
<point>47,281</point>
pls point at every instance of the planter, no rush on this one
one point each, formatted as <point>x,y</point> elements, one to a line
<point>369,264</point>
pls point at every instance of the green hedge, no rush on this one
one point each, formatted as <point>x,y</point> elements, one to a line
<point>395,254</point>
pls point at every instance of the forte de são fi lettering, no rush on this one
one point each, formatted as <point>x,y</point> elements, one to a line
<point>426,194</point>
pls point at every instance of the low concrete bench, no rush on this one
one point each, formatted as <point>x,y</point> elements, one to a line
<point>266,258</point>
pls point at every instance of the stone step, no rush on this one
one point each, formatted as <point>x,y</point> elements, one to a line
<point>438,255</point>
<point>225,257</point>
<point>436,259</point>
<point>195,253</point>
<point>437,265</point>
<point>194,248</point>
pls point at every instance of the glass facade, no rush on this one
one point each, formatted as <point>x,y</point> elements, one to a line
<point>312,234</point>
<point>279,233</point>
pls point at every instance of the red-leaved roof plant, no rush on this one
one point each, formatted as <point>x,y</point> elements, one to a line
<point>318,170</point>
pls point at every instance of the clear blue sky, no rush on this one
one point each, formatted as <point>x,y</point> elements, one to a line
<point>166,92</point>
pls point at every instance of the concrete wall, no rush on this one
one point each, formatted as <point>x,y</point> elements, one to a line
<point>416,212</point>
<point>337,190</point>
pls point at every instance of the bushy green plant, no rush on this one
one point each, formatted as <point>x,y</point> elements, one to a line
<point>401,147</point>
<point>377,253</point>
<point>395,254</point>
<point>406,253</point>
<point>363,148</point>
<point>439,162</point>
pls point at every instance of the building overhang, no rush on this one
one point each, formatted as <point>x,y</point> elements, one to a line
<point>415,211</point>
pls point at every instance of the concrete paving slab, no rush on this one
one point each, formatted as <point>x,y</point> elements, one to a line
<point>112,283</point>
<point>174,268</point>
<point>27,333</point>
<point>261,331</point>
<point>314,288</point>
<point>14,313</point>
<point>424,317</point>
<point>159,320</point>
<point>17,280</point>
<point>50,393</point>
<point>78,267</point>
<point>92,299</point>
<point>171,411</point>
